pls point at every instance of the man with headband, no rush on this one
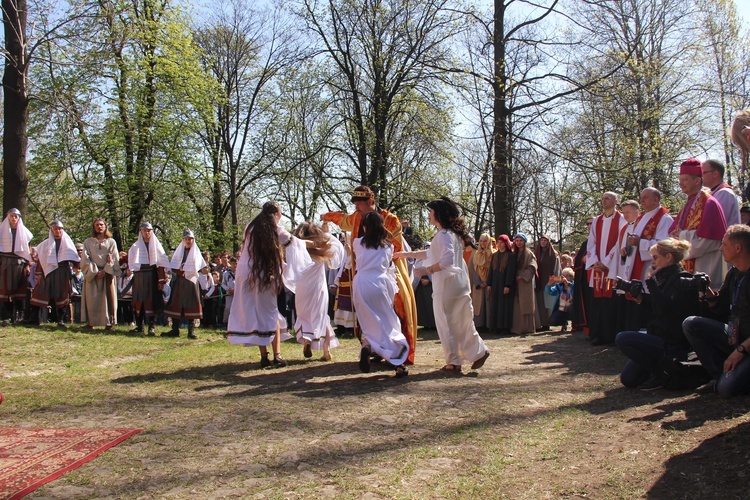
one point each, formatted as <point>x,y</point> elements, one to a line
<point>185,299</point>
<point>15,255</point>
<point>404,303</point>
<point>148,260</point>
<point>56,257</point>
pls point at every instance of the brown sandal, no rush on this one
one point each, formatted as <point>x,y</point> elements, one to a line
<point>480,362</point>
<point>451,369</point>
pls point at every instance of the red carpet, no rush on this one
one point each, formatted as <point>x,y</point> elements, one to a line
<point>32,457</point>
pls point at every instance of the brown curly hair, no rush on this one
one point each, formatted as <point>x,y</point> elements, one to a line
<point>309,231</point>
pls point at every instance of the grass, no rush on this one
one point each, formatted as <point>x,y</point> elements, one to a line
<point>546,417</point>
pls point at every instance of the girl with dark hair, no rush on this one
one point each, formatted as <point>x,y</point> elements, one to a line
<point>373,290</point>
<point>255,317</point>
<point>308,255</point>
<point>451,298</point>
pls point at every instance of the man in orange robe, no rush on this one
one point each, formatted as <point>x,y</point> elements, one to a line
<point>404,303</point>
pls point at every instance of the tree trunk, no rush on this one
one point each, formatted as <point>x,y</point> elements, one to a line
<point>501,168</point>
<point>15,107</point>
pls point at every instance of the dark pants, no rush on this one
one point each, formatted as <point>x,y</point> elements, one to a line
<point>709,339</point>
<point>646,353</point>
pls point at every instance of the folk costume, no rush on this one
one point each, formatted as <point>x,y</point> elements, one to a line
<point>581,293</point>
<point>344,314</point>
<point>525,317</point>
<point>148,262</point>
<point>373,291</point>
<point>15,255</point>
<point>423,296</point>
<point>701,222</point>
<point>479,267</point>
<point>255,316</point>
<point>451,300</point>
<point>311,293</point>
<point>602,316</point>
<point>99,295</point>
<point>502,275</point>
<point>185,297</point>
<point>53,272</point>
<point>548,264</point>
<point>403,303</point>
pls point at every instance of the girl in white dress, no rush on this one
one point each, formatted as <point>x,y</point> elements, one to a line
<point>255,318</point>
<point>451,295</point>
<point>373,290</point>
<point>308,255</point>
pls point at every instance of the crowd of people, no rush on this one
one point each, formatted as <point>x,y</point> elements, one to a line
<point>643,280</point>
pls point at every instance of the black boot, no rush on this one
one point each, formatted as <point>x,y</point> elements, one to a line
<point>151,330</point>
<point>61,318</point>
<point>174,332</point>
<point>138,327</point>
<point>191,330</point>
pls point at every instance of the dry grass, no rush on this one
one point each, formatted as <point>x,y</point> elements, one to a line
<point>546,417</point>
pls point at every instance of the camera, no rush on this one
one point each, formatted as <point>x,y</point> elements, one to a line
<point>634,288</point>
<point>698,282</point>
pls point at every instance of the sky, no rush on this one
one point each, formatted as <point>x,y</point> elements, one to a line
<point>743,9</point>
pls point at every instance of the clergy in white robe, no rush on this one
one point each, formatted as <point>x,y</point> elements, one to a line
<point>599,260</point>
<point>713,179</point>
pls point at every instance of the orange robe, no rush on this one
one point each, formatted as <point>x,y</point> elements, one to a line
<point>404,302</point>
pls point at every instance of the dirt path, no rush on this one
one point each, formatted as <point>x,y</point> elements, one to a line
<point>546,417</point>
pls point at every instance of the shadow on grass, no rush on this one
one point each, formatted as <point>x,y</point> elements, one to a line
<point>306,379</point>
<point>577,355</point>
<point>715,469</point>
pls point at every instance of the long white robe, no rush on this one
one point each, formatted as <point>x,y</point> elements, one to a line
<point>451,300</point>
<point>373,290</point>
<point>311,293</point>
<point>255,313</point>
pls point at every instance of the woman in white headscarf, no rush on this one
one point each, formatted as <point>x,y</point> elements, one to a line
<point>185,296</point>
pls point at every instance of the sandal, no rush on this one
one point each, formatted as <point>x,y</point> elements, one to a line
<point>451,369</point>
<point>480,362</point>
<point>364,359</point>
<point>401,371</point>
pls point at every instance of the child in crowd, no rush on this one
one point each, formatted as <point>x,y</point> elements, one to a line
<point>562,288</point>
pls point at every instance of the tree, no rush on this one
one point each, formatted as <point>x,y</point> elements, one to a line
<point>383,57</point>
<point>245,50</point>
<point>126,92</point>
<point>15,105</point>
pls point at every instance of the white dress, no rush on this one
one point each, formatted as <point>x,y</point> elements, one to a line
<point>373,290</point>
<point>311,293</point>
<point>255,313</point>
<point>451,300</point>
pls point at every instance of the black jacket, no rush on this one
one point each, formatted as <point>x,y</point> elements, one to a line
<point>720,311</point>
<point>671,303</point>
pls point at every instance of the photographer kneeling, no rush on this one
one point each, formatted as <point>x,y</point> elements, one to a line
<point>673,295</point>
<point>722,338</point>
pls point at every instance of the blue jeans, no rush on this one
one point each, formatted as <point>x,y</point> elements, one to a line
<point>708,338</point>
<point>645,352</point>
